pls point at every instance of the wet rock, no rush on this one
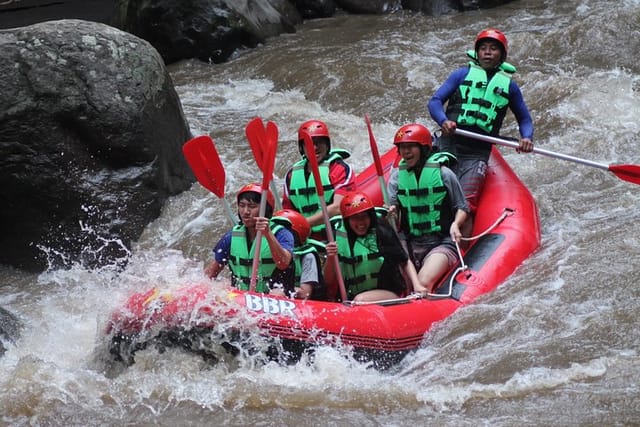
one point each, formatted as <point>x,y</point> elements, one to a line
<point>313,9</point>
<point>91,130</point>
<point>210,30</point>
<point>10,327</point>
<point>369,6</point>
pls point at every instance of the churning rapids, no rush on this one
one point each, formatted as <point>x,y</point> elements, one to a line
<point>557,344</point>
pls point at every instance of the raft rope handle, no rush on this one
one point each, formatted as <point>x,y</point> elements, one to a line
<point>505,213</point>
<point>391,301</point>
<point>463,267</point>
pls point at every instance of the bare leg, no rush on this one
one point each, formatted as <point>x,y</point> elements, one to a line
<point>434,267</point>
<point>408,272</point>
<point>374,295</point>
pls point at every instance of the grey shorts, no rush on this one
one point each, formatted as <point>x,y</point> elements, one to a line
<point>420,248</point>
<point>471,173</point>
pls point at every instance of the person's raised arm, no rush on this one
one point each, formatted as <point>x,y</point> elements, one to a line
<point>330,273</point>
<point>281,249</point>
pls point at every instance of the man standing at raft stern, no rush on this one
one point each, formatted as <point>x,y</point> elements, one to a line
<point>336,175</point>
<point>237,247</point>
<point>477,97</point>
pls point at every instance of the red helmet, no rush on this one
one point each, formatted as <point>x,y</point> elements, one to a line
<point>493,34</point>
<point>313,128</point>
<point>355,202</point>
<point>257,188</point>
<point>413,133</point>
<point>299,223</point>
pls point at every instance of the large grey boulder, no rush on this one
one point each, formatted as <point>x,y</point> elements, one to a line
<point>91,130</point>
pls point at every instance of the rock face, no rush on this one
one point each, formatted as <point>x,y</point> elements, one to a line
<point>210,30</point>
<point>369,6</point>
<point>10,327</point>
<point>91,130</point>
<point>312,9</point>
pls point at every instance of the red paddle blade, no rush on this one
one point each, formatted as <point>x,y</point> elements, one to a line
<point>270,148</point>
<point>374,147</point>
<point>272,132</point>
<point>269,155</point>
<point>629,173</point>
<point>202,156</point>
<point>257,137</point>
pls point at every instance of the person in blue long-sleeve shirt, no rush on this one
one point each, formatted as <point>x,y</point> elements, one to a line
<point>477,97</point>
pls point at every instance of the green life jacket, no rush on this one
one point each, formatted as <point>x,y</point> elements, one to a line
<point>422,202</point>
<point>241,259</point>
<point>443,158</point>
<point>360,263</point>
<point>483,101</point>
<point>302,189</point>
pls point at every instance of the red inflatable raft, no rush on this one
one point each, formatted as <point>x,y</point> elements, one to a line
<point>381,332</point>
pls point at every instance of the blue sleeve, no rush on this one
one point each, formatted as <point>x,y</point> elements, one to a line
<point>285,238</point>
<point>448,88</point>
<point>222,249</point>
<point>520,111</point>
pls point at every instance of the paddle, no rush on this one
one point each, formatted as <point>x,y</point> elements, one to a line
<point>260,137</point>
<point>268,162</point>
<point>311,157</point>
<point>377,161</point>
<point>629,173</point>
<point>202,156</point>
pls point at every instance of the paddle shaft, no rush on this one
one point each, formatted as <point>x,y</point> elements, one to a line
<point>258,243</point>
<point>313,162</point>
<point>629,173</point>
<point>379,170</point>
<point>233,217</point>
<point>376,160</point>
<point>330,238</point>
<point>512,144</point>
